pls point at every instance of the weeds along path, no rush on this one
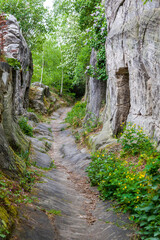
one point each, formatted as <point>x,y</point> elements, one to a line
<point>65,191</point>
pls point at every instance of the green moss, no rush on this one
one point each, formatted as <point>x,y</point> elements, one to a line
<point>6,222</point>
<point>11,208</point>
<point>20,164</point>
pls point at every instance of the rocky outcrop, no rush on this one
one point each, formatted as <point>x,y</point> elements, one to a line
<point>11,136</point>
<point>15,76</point>
<point>41,99</point>
<point>133,61</point>
<point>14,50</point>
<point>96,92</point>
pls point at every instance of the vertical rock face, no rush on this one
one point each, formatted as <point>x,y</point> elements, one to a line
<point>133,64</point>
<point>133,60</point>
<point>14,90</point>
<point>14,46</point>
<point>96,93</point>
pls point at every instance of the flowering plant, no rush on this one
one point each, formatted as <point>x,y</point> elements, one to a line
<point>132,178</point>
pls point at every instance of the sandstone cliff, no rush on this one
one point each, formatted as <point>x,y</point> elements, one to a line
<point>96,93</point>
<point>14,90</point>
<point>133,65</point>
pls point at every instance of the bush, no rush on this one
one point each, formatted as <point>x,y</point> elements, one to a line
<point>134,141</point>
<point>133,181</point>
<point>25,127</point>
<point>76,115</point>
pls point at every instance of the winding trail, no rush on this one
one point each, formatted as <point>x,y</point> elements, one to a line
<point>66,188</point>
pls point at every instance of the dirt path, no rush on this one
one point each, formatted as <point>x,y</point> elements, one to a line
<point>66,188</point>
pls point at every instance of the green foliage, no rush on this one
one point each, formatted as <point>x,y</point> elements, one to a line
<point>85,8</point>
<point>51,56</point>
<point>34,19</point>
<point>131,181</point>
<point>75,117</point>
<point>97,34</point>
<point>12,194</point>
<point>145,1</point>
<point>135,141</point>
<point>14,63</point>
<point>28,179</point>
<point>54,212</point>
<point>79,78</point>
<point>25,127</point>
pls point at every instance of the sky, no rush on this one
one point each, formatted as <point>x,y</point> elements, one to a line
<point>48,3</point>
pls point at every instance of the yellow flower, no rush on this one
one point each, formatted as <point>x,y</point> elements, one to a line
<point>97,155</point>
<point>137,196</point>
<point>103,155</point>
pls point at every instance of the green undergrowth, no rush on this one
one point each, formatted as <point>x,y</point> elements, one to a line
<point>76,115</point>
<point>132,178</point>
<point>25,127</point>
<point>76,120</point>
<point>13,193</point>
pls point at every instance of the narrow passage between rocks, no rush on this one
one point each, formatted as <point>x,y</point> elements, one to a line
<point>66,189</point>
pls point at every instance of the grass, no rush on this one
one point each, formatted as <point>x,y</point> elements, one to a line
<point>25,127</point>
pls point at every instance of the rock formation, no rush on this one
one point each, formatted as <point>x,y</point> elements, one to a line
<point>133,64</point>
<point>96,93</point>
<point>15,79</point>
<point>14,46</point>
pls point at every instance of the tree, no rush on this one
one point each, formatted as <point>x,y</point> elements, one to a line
<point>33,18</point>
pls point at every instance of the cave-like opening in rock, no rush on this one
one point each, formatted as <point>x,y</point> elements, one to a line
<point>123,99</point>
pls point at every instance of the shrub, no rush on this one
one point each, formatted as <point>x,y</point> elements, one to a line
<point>132,179</point>
<point>134,141</point>
<point>25,127</point>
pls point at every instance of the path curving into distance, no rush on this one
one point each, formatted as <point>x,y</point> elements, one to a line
<point>66,188</point>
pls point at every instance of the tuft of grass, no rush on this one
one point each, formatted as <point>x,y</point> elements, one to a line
<point>25,127</point>
<point>54,212</point>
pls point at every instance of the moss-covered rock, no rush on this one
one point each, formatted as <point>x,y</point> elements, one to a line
<point>6,222</point>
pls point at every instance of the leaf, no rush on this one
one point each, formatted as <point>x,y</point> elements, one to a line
<point>155,198</point>
<point>152,238</point>
<point>2,235</point>
<point>142,224</point>
<point>156,234</point>
<point>151,218</point>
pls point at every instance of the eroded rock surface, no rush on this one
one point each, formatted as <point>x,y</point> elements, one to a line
<point>14,46</point>
<point>96,93</point>
<point>14,90</point>
<point>133,60</point>
<point>79,214</point>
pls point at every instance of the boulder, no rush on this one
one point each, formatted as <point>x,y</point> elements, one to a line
<point>40,99</point>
